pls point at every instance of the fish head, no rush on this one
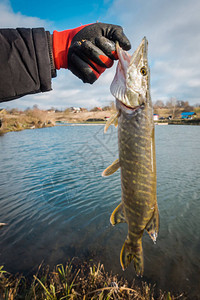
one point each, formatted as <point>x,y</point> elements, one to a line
<point>130,85</point>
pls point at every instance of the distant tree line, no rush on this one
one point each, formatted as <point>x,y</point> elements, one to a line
<point>174,102</point>
<point>174,107</point>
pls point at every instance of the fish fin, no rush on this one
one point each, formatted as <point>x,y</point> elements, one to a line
<point>152,226</point>
<point>116,122</point>
<point>111,120</point>
<point>118,85</point>
<point>112,168</point>
<point>133,252</point>
<point>117,215</point>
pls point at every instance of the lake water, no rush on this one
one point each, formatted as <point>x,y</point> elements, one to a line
<point>58,206</point>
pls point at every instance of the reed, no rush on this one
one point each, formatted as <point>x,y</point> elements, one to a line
<point>71,282</point>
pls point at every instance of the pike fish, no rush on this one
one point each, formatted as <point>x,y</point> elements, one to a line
<point>137,161</point>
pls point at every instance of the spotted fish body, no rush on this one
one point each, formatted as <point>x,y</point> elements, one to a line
<point>137,161</point>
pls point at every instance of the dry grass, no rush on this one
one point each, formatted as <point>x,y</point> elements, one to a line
<point>29,119</point>
<point>70,282</point>
<point>81,116</point>
<point>36,118</point>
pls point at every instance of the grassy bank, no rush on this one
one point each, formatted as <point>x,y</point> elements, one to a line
<point>35,118</point>
<point>29,119</point>
<point>70,282</point>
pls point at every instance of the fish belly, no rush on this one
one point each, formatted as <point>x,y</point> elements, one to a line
<point>138,183</point>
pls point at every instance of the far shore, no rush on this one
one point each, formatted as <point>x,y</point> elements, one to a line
<point>35,118</point>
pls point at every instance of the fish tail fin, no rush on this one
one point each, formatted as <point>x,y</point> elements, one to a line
<point>132,251</point>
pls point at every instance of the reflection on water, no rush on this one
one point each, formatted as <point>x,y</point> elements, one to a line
<point>58,206</point>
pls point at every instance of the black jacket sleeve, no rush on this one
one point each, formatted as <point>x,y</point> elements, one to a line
<point>25,62</point>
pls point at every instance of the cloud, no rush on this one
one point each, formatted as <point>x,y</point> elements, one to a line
<point>172,28</point>
<point>9,19</point>
<point>68,90</point>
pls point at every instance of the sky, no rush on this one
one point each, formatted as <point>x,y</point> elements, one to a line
<point>172,28</point>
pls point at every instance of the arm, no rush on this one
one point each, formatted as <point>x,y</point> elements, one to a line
<point>29,57</point>
<point>25,65</point>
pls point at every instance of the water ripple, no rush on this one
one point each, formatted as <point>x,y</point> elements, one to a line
<point>58,205</point>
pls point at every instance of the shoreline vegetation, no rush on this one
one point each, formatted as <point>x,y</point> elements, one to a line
<point>15,120</point>
<point>85,281</point>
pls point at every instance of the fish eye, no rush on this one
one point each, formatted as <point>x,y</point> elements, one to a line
<point>143,71</point>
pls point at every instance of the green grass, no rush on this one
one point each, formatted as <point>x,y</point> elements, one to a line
<point>70,282</point>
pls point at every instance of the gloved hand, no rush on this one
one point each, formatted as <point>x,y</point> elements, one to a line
<point>88,50</point>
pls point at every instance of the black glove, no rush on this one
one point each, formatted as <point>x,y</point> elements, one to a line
<point>88,50</point>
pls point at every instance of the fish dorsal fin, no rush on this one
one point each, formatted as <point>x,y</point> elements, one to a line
<point>118,215</point>
<point>112,168</point>
<point>152,226</point>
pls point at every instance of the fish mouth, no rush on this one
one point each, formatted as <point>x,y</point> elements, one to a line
<point>124,59</point>
<point>129,85</point>
<point>132,107</point>
<point>128,109</point>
